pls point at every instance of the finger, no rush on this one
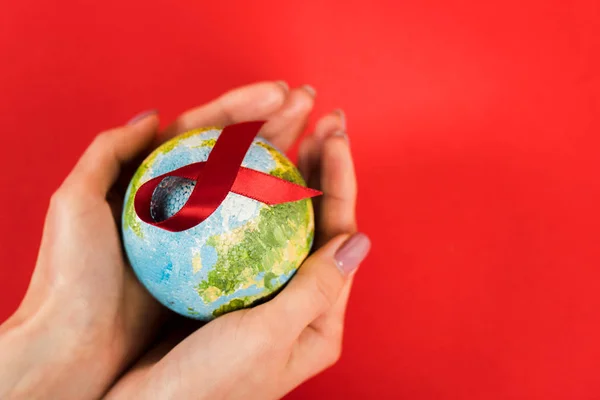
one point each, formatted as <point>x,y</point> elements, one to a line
<point>251,102</point>
<point>330,123</point>
<point>99,166</point>
<point>308,158</point>
<point>334,318</point>
<point>336,212</point>
<point>330,325</point>
<point>289,121</point>
<point>127,385</point>
<point>315,288</point>
<point>315,351</point>
<point>309,153</point>
<point>319,345</point>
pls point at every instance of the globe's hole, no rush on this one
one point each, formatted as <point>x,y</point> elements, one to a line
<point>170,196</point>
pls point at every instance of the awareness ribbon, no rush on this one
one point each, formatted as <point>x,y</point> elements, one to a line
<point>220,174</point>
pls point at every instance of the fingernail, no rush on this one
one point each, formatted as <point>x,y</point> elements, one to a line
<point>342,116</point>
<point>352,253</point>
<point>311,90</point>
<point>341,134</point>
<point>141,116</point>
<point>284,85</point>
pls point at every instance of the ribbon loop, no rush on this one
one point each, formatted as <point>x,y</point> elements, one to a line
<point>220,174</point>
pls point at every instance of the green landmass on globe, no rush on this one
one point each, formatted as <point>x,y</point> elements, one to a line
<point>218,267</point>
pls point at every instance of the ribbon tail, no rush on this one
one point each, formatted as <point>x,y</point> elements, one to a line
<point>269,189</point>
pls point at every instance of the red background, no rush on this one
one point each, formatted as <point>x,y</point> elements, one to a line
<point>475,132</point>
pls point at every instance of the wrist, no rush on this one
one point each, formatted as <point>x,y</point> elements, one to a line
<point>43,358</point>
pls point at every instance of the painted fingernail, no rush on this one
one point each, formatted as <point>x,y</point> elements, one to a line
<point>141,116</point>
<point>284,85</point>
<point>339,112</point>
<point>352,252</point>
<point>311,90</point>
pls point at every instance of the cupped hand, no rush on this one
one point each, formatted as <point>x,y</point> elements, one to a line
<point>85,319</point>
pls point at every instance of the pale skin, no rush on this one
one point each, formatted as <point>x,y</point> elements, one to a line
<point>86,327</point>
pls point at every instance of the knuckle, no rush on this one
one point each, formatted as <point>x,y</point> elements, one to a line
<point>70,198</point>
<point>56,198</point>
<point>336,330</point>
<point>305,101</point>
<point>263,338</point>
<point>277,91</point>
<point>273,97</point>
<point>333,353</point>
<point>260,335</point>
<point>317,294</point>
<point>321,292</point>
<point>101,141</point>
<point>62,200</point>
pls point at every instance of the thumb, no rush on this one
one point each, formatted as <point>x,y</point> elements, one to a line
<point>100,165</point>
<point>317,284</point>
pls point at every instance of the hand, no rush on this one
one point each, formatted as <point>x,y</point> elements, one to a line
<point>86,306</point>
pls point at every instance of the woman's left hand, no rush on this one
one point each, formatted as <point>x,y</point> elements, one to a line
<point>85,318</point>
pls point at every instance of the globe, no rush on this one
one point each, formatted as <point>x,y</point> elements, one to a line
<point>238,257</point>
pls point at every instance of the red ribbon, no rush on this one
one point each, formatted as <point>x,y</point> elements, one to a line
<point>216,177</point>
